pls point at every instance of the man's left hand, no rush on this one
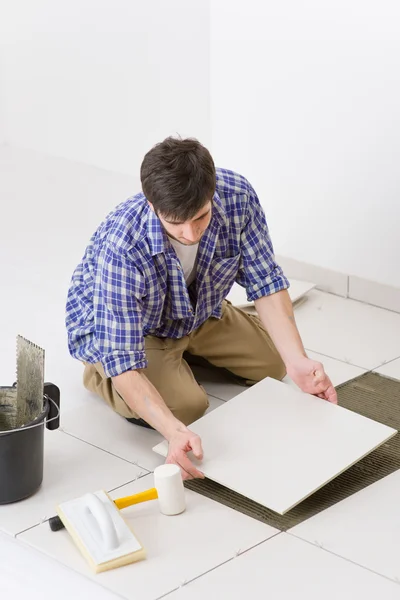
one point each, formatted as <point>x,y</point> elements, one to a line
<point>311,378</point>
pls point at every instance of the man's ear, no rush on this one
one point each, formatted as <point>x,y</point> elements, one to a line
<point>151,206</point>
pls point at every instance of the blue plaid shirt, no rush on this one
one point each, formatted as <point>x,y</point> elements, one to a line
<point>130,282</point>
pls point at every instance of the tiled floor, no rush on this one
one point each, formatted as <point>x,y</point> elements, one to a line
<point>52,208</point>
<point>284,567</point>
<point>178,548</point>
<point>363,528</point>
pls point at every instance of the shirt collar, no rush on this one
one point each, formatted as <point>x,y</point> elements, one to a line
<point>155,233</point>
<point>157,236</point>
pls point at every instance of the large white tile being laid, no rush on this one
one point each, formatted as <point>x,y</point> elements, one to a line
<point>178,548</point>
<point>363,528</point>
<point>297,290</point>
<point>24,572</point>
<point>390,369</point>
<point>348,330</point>
<point>71,468</point>
<point>288,569</point>
<point>262,444</point>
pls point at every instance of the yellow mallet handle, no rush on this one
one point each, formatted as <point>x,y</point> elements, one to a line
<point>136,498</point>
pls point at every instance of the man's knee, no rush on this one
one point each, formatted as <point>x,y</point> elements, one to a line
<point>193,405</point>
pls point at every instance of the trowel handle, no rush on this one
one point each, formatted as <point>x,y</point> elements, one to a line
<point>51,390</point>
<point>136,498</point>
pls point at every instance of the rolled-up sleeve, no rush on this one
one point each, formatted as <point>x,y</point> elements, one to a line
<point>118,290</point>
<point>258,273</point>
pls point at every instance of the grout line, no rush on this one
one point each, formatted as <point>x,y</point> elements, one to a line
<point>31,527</point>
<point>388,362</point>
<point>337,359</point>
<point>352,562</point>
<point>219,565</point>
<point>106,451</point>
<point>216,397</point>
<point>352,364</point>
<point>140,476</point>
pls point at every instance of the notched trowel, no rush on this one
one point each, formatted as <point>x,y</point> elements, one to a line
<point>23,402</point>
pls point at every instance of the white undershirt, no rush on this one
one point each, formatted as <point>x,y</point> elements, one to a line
<point>187,256</point>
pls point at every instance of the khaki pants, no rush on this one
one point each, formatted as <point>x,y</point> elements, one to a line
<point>237,342</point>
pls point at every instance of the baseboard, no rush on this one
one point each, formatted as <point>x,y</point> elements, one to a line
<point>342,284</point>
<point>378,294</point>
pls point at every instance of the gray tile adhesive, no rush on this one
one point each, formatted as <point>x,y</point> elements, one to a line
<point>371,395</point>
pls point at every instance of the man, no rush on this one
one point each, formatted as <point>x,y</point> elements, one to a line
<point>150,291</point>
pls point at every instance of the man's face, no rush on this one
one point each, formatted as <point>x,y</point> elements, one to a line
<point>189,232</point>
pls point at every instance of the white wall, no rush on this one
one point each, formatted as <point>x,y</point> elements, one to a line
<point>101,81</point>
<point>305,103</point>
<point>2,96</point>
<point>304,97</point>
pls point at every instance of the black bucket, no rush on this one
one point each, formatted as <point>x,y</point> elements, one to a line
<point>21,451</point>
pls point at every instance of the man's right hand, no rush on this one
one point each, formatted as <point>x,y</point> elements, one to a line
<point>180,443</point>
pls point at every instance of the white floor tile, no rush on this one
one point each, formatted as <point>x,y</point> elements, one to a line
<point>363,528</point>
<point>391,369</point>
<point>289,569</point>
<point>24,572</point>
<point>258,431</point>
<point>71,468</point>
<point>350,331</point>
<point>178,548</point>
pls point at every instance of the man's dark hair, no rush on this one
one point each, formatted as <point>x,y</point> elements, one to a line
<point>178,178</point>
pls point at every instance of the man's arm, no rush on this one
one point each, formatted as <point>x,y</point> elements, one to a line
<point>276,314</point>
<point>266,285</point>
<point>119,334</point>
<point>143,398</point>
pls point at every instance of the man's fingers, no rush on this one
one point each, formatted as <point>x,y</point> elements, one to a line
<point>319,377</point>
<point>185,476</point>
<point>184,462</point>
<point>324,387</point>
<point>331,395</point>
<point>197,447</point>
